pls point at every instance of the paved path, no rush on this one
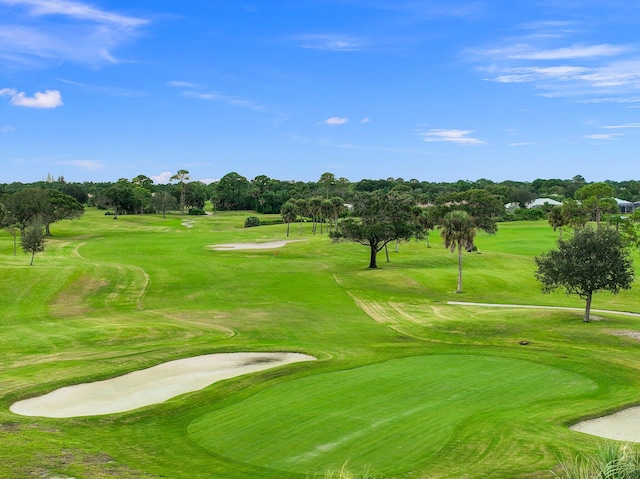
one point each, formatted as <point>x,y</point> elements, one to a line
<point>493,305</point>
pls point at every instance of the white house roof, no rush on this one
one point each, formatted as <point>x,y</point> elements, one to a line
<point>622,202</point>
<point>542,202</point>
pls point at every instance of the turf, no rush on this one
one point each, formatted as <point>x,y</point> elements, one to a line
<point>406,384</point>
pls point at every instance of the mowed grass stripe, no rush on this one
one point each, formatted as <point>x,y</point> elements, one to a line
<point>390,416</point>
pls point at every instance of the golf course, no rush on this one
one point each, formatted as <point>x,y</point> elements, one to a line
<point>385,372</point>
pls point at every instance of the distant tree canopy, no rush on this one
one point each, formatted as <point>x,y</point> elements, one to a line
<point>482,199</point>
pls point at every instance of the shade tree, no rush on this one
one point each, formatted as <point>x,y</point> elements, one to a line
<point>163,202</point>
<point>32,238</point>
<point>376,219</point>
<point>592,260</point>
<point>597,199</point>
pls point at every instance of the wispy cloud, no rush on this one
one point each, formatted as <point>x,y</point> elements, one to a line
<point>627,125</point>
<point>365,120</point>
<point>31,32</point>
<point>46,99</point>
<point>91,165</point>
<point>604,136</point>
<point>226,99</point>
<point>452,136</point>
<point>181,84</point>
<point>524,51</point>
<point>548,56</point>
<point>7,129</point>
<point>330,42</point>
<point>334,121</point>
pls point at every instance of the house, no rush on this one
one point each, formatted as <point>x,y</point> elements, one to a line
<point>625,206</point>
<point>543,202</point>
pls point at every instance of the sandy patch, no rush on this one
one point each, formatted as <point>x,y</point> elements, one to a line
<point>621,426</point>
<point>150,386</point>
<point>243,246</point>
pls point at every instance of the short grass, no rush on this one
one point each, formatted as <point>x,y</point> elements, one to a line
<point>406,385</point>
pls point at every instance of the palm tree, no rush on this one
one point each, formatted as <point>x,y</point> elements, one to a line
<point>182,176</point>
<point>457,231</point>
<point>288,213</point>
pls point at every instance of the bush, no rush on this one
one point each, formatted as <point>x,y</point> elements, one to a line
<point>613,461</point>
<point>197,211</point>
<point>251,221</point>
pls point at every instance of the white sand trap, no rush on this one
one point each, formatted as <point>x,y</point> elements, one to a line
<point>621,426</point>
<point>150,386</point>
<point>242,246</point>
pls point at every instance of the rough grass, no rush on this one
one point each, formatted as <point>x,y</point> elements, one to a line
<point>108,297</point>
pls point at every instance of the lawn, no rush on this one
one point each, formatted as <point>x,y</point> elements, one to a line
<point>406,385</point>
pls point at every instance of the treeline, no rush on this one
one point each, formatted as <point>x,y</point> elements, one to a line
<point>267,195</point>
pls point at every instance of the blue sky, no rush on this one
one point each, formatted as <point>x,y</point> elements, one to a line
<point>433,90</point>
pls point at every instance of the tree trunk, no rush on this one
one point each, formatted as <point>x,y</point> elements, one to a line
<point>33,254</point>
<point>587,309</point>
<point>428,244</point>
<point>386,252</point>
<point>288,224</point>
<point>459,290</point>
<point>372,260</point>
<point>397,246</point>
<point>47,232</point>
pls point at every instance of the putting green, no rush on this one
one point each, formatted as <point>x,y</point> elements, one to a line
<point>390,416</point>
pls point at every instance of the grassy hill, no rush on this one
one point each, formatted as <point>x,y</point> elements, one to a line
<point>406,385</point>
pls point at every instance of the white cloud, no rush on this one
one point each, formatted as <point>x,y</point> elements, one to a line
<point>47,99</point>
<point>453,136</point>
<point>208,181</point>
<point>32,34</point>
<point>91,165</point>
<point>7,91</point>
<point>365,120</point>
<point>7,129</point>
<point>334,121</point>
<point>604,136</point>
<point>163,178</point>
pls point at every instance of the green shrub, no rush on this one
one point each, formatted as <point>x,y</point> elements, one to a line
<point>197,211</point>
<point>251,221</point>
<point>613,461</point>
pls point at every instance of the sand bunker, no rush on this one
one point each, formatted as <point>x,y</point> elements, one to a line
<point>150,386</point>
<point>242,246</point>
<point>621,426</point>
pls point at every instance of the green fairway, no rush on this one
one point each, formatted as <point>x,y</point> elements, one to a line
<point>406,385</point>
<point>391,416</point>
